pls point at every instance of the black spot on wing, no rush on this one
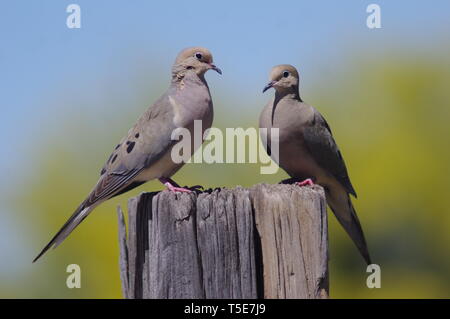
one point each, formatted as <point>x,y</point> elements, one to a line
<point>109,159</point>
<point>136,135</point>
<point>114,159</point>
<point>118,145</point>
<point>130,146</point>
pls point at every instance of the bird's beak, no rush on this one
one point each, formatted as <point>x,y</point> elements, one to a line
<point>269,85</point>
<point>215,68</point>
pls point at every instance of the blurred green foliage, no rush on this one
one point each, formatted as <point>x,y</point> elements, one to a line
<point>390,118</point>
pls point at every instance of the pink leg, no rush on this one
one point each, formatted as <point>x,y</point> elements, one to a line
<point>172,186</point>
<point>306,182</point>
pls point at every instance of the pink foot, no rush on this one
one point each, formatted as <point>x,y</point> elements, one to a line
<point>173,187</point>
<point>306,182</point>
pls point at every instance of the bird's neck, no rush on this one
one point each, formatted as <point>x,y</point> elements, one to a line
<point>288,93</point>
<point>181,75</point>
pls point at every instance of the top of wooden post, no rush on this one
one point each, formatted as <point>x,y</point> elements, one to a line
<point>265,241</point>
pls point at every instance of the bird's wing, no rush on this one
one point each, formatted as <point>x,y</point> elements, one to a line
<point>146,142</point>
<point>320,142</point>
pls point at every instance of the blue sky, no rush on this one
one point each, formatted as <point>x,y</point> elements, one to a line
<point>41,60</point>
<point>41,57</point>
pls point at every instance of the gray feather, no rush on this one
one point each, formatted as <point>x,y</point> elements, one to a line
<point>320,142</point>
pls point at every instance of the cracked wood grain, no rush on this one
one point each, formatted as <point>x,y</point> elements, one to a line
<point>268,241</point>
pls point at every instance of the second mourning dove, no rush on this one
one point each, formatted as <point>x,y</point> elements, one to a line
<point>307,150</point>
<point>144,153</point>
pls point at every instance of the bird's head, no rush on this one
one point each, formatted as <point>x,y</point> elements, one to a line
<point>195,59</point>
<point>283,78</point>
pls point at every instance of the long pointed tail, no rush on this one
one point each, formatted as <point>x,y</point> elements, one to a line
<point>77,217</point>
<point>341,205</point>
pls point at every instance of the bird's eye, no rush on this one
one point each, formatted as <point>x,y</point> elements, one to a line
<point>285,74</point>
<point>198,55</point>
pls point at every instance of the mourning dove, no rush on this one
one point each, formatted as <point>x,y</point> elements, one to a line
<point>307,150</point>
<point>144,153</point>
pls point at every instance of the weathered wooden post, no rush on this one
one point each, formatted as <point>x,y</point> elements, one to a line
<point>269,241</point>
